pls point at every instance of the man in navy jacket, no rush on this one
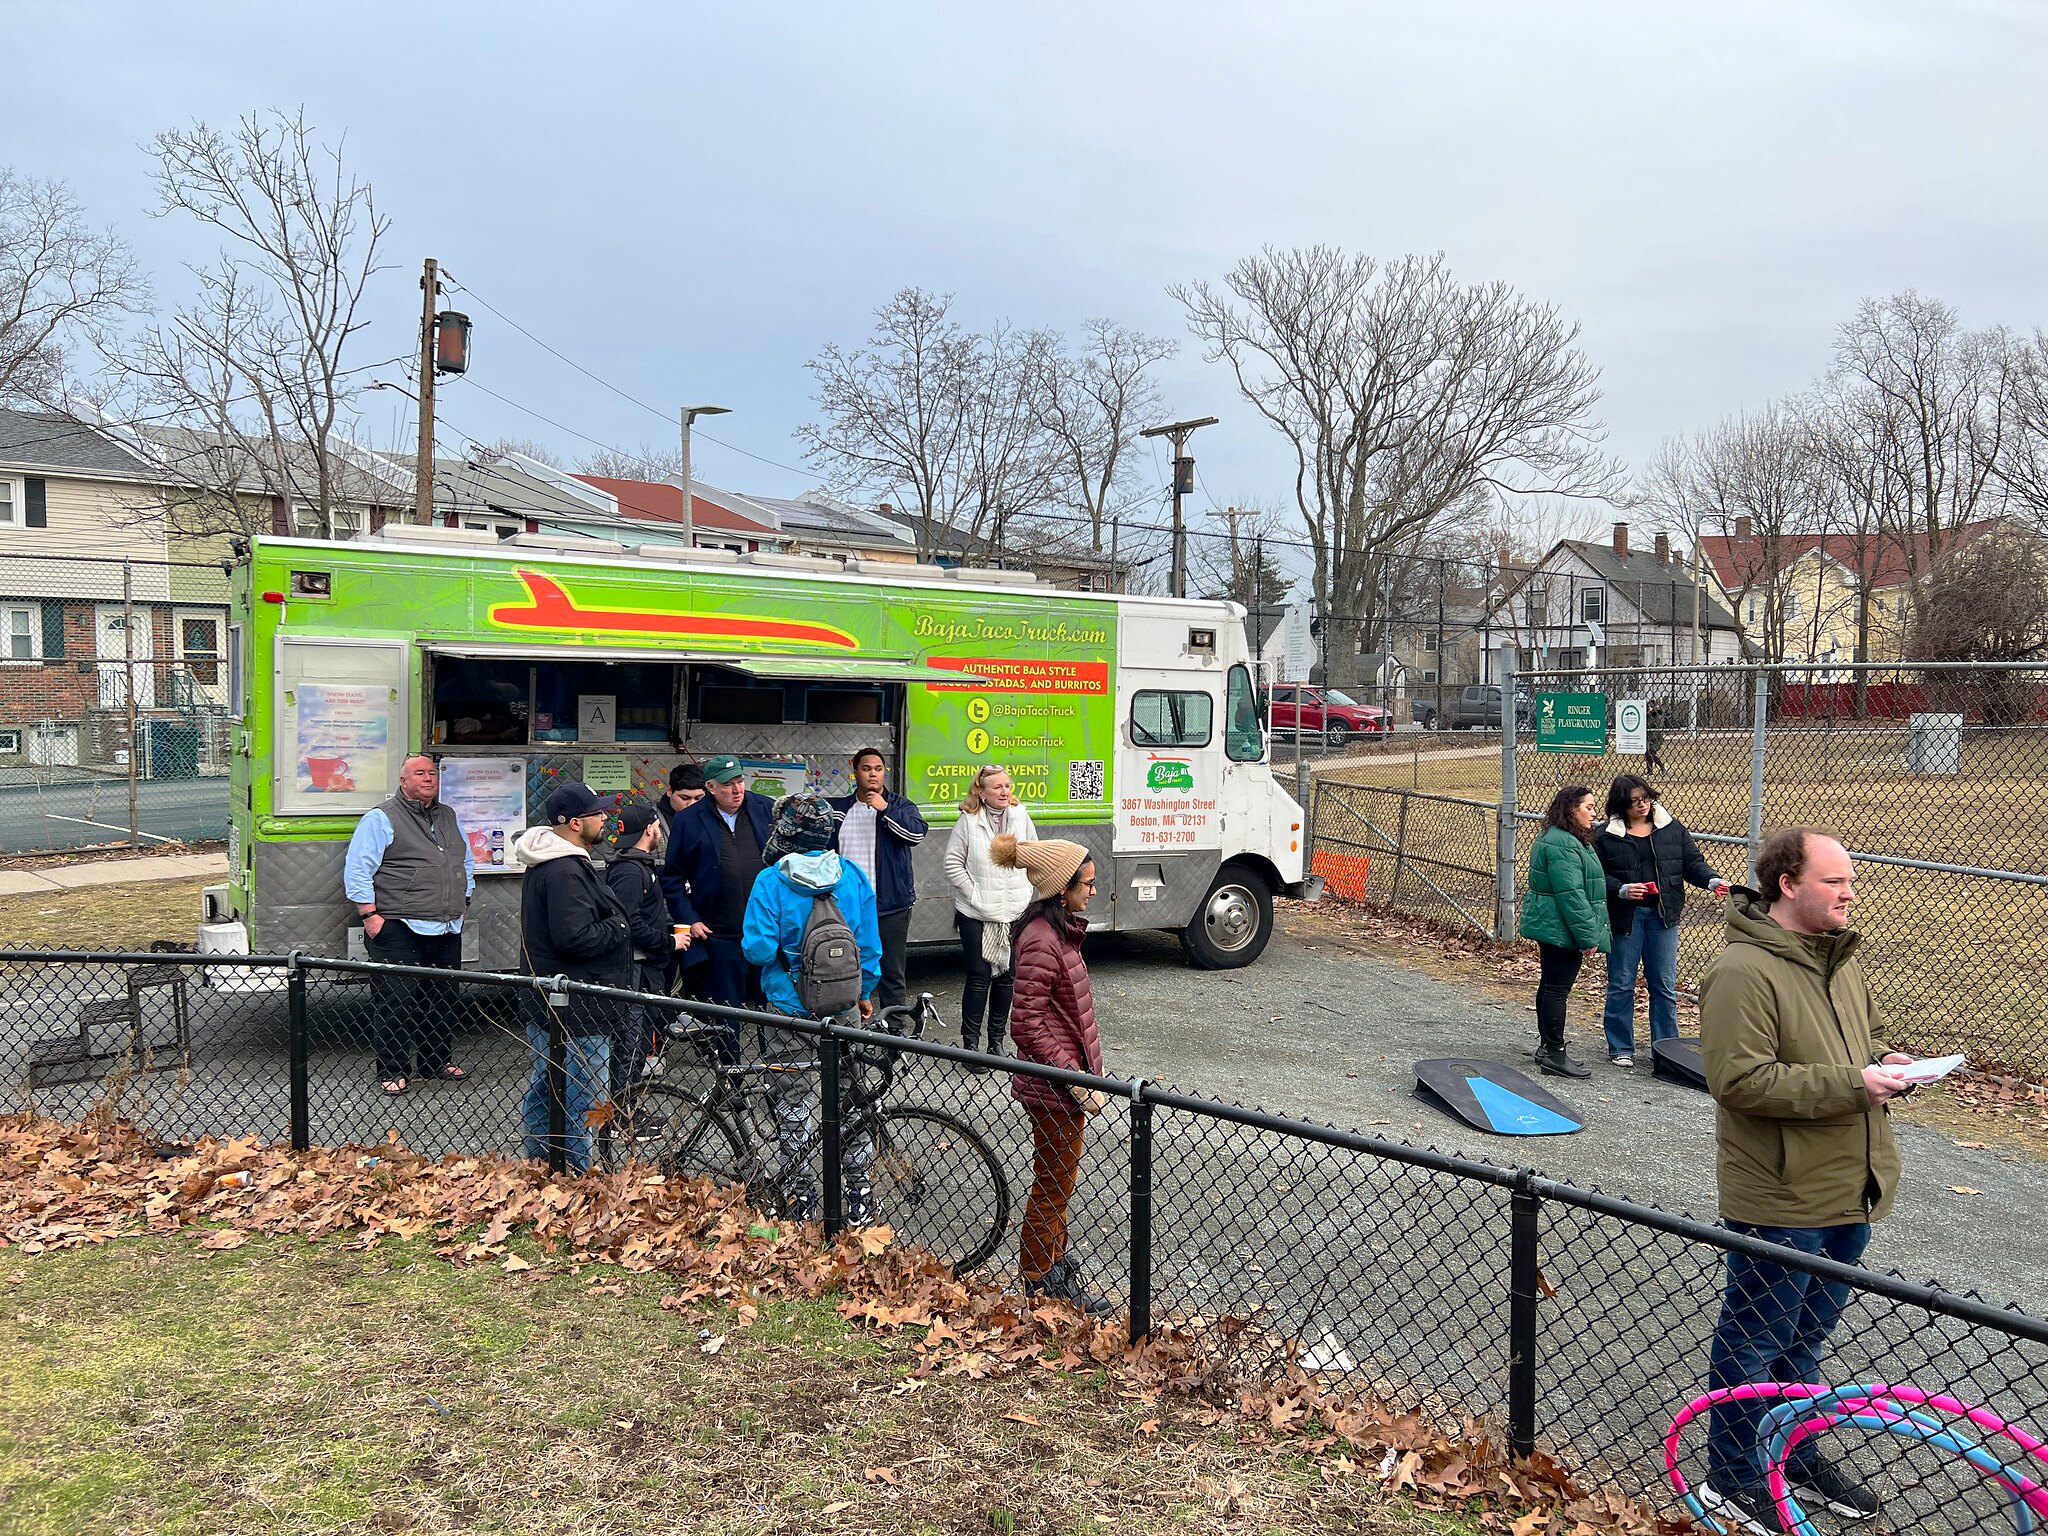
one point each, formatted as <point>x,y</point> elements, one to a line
<point>879,832</point>
<point>715,849</point>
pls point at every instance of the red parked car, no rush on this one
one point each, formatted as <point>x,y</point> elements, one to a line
<point>1326,712</point>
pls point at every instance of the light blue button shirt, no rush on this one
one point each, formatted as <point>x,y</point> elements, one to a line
<point>366,851</point>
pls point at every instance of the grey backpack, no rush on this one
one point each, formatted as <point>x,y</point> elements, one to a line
<point>827,961</point>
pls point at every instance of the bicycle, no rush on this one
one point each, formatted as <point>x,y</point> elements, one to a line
<point>930,1177</point>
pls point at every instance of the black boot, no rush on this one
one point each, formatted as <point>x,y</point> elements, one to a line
<point>970,1040</point>
<point>1554,1062</point>
<point>1063,1283</point>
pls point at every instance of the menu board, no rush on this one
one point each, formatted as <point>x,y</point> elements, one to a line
<point>488,796</point>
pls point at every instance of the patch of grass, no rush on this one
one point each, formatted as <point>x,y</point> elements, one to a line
<point>122,917</point>
<point>297,1387</point>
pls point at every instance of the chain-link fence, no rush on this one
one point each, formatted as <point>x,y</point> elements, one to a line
<point>1552,1318</point>
<point>115,702</point>
<point>1936,778</point>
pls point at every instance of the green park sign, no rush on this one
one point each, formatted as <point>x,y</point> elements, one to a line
<point>1571,722</point>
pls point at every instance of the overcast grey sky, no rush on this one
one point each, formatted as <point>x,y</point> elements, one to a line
<point>691,200</point>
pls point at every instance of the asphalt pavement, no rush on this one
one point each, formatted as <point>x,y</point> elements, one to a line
<point>37,818</point>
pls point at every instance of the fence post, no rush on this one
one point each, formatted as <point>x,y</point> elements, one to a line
<point>1760,706</point>
<point>128,683</point>
<point>302,1053</point>
<point>1504,835</point>
<point>830,1065</point>
<point>1141,1213</point>
<point>558,1076</point>
<point>1400,852</point>
<point>1304,791</point>
<point>1524,1221</point>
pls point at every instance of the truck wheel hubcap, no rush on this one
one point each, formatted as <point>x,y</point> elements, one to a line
<point>1232,917</point>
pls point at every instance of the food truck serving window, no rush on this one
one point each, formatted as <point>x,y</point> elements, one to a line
<point>341,714</point>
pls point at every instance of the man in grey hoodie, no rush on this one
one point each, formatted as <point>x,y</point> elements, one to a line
<point>570,924</point>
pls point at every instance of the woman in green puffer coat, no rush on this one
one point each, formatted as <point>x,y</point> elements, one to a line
<point>1565,912</point>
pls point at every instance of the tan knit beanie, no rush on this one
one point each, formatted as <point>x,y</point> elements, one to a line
<point>1051,864</point>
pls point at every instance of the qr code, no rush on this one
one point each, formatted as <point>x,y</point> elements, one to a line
<point>1084,779</point>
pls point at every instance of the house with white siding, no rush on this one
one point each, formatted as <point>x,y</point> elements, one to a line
<point>1588,606</point>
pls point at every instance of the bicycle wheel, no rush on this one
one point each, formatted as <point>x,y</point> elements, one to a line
<point>939,1186</point>
<point>681,1136</point>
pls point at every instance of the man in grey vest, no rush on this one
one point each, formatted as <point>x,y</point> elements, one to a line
<point>410,873</point>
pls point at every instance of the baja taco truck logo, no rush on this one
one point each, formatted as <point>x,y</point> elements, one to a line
<point>549,609</point>
<point>1170,773</point>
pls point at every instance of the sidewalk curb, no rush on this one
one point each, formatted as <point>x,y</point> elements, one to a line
<point>48,882</point>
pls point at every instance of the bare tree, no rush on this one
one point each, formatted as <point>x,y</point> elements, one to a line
<point>1407,398</point>
<point>2023,469</point>
<point>1986,599</point>
<point>256,374</point>
<point>1243,564</point>
<point>646,462</point>
<point>1094,400</point>
<point>1928,400</point>
<point>61,282</point>
<point>940,420</point>
<point>1755,480</point>
<point>526,447</point>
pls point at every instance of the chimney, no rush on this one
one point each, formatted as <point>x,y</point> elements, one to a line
<point>1742,526</point>
<point>1663,549</point>
<point>1621,540</point>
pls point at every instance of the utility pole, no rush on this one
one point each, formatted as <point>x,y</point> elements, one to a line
<point>689,415</point>
<point>1183,483</point>
<point>1231,515</point>
<point>423,467</point>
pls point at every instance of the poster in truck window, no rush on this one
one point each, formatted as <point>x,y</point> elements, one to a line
<point>340,723</point>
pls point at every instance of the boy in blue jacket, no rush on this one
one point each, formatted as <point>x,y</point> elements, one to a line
<point>803,867</point>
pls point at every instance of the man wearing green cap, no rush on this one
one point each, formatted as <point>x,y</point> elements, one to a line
<point>715,849</point>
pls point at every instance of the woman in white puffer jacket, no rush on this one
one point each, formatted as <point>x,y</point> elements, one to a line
<point>987,900</point>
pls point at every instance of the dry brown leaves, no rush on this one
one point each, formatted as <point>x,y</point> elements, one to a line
<point>67,1186</point>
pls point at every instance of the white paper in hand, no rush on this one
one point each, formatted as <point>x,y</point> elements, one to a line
<point>1932,1069</point>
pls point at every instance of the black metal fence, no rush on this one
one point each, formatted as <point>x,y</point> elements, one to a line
<point>1935,777</point>
<point>1560,1319</point>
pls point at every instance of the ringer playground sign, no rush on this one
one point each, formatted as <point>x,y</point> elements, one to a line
<point>1571,722</point>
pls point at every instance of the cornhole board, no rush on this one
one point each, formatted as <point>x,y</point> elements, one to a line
<point>1493,1097</point>
<point>1679,1061</point>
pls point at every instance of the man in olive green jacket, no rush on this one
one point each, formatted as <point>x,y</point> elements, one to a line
<point>1805,1153</point>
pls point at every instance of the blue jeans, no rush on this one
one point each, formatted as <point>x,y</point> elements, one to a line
<point>1774,1323</point>
<point>588,1058</point>
<point>1653,947</point>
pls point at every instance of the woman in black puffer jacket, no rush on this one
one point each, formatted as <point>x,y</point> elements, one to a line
<point>1649,858</point>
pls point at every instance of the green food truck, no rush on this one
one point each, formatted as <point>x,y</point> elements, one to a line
<point>1130,724</point>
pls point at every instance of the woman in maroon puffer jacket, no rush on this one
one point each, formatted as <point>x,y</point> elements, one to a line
<point>1052,1021</point>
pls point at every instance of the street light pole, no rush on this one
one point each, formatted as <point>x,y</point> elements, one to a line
<point>1183,482</point>
<point>689,415</point>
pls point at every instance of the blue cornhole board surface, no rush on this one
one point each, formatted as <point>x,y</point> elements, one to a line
<point>1493,1097</point>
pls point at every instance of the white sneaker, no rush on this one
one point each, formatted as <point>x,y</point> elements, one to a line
<point>1622,1060</point>
<point>1748,1511</point>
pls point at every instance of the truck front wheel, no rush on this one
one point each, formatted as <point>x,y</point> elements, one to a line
<point>1234,922</point>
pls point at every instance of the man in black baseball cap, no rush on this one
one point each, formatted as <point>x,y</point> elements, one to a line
<point>635,879</point>
<point>570,924</point>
